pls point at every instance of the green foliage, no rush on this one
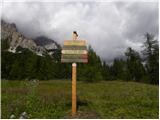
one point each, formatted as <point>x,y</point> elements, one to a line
<point>106,72</point>
<point>92,71</point>
<point>4,44</point>
<point>134,65</point>
<point>25,64</point>
<point>118,69</point>
<point>151,53</point>
<point>134,68</point>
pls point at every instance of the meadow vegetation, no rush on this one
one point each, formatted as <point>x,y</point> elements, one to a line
<point>52,99</point>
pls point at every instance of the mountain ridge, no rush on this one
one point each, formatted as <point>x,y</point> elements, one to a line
<point>40,45</point>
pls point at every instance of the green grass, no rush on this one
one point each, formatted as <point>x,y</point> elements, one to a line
<point>52,99</point>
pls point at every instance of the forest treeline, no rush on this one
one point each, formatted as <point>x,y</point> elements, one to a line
<point>139,67</point>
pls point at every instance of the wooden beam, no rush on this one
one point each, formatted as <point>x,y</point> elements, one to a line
<point>75,42</point>
<point>74,47</point>
<point>74,60</point>
<point>73,56</point>
<point>74,52</point>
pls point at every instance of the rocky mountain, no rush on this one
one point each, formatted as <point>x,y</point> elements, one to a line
<point>40,45</point>
<point>50,45</point>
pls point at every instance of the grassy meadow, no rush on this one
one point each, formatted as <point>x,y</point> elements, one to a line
<point>52,99</point>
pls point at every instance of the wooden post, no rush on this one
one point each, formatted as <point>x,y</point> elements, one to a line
<point>74,74</point>
<point>74,99</point>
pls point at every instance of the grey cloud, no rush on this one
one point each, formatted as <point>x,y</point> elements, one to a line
<point>109,27</point>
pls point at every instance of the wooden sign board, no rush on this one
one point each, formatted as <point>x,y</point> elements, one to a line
<point>80,56</point>
<point>77,52</point>
<point>74,51</point>
<point>75,42</point>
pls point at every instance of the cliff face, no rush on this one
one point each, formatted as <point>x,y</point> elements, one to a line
<point>15,38</point>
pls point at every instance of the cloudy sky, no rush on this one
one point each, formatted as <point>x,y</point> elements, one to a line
<point>108,26</point>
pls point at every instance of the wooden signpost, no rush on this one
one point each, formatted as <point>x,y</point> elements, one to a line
<point>74,51</point>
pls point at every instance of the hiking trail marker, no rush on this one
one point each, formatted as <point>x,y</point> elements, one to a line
<point>74,51</point>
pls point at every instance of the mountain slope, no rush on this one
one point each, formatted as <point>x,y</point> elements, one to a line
<point>50,45</point>
<point>16,39</point>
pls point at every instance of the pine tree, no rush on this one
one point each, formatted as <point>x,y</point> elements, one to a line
<point>151,54</point>
<point>92,71</point>
<point>118,69</point>
<point>134,65</point>
<point>106,71</point>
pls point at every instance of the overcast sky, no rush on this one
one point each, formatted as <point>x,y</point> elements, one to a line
<point>109,27</point>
